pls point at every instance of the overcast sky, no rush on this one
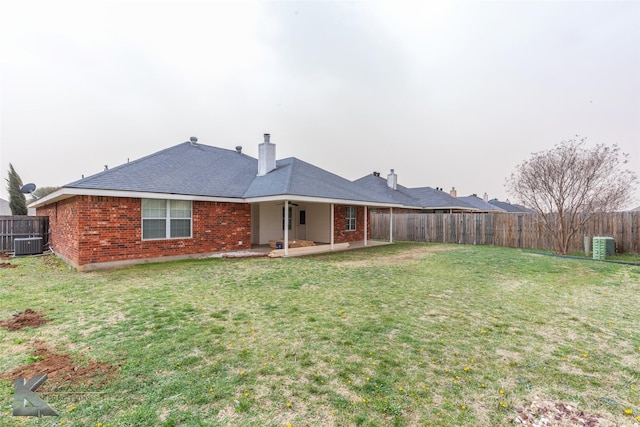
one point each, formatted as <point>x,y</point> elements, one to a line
<point>449,94</point>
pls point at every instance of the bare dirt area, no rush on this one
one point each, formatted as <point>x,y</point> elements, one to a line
<point>7,265</point>
<point>543,412</point>
<point>62,371</point>
<point>406,255</point>
<point>5,257</point>
<point>23,320</point>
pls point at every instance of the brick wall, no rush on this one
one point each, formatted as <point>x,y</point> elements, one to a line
<point>99,229</point>
<point>341,235</point>
<point>63,223</point>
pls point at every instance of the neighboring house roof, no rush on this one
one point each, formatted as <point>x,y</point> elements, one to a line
<point>421,198</point>
<point>512,208</point>
<point>437,199</point>
<point>5,209</point>
<point>636,209</point>
<point>378,188</point>
<point>480,204</point>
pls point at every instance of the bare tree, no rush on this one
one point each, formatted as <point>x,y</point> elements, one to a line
<point>570,183</point>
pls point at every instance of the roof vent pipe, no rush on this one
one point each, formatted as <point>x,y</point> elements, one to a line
<point>392,180</point>
<point>193,140</point>
<point>239,149</point>
<point>266,156</point>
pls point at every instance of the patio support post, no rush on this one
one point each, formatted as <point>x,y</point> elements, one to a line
<point>286,228</point>
<point>365,226</point>
<point>332,218</point>
<point>390,225</point>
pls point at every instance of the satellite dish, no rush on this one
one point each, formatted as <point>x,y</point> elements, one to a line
<point>28,188</point>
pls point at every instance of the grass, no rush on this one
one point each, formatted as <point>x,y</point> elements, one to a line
<point>629,258</point>
<point>409,334</point>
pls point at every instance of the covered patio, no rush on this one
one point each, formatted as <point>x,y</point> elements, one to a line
<point>267,250</point>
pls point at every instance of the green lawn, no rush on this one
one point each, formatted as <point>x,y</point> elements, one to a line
<point>408,334</point>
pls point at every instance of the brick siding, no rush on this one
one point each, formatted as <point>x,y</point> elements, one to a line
<point>99,229</point>
<point>341,235</point>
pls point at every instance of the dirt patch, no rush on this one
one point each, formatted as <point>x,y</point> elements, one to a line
<point>62,371</point>
<point>7,265</point>
<point>544,412</point>
<point>23,320</point>
<point>508,356</point>
<point>402,256</point>
<point>5,256</point>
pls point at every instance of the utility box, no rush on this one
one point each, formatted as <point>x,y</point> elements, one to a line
<point>28,246</point>
<point>603,247</point>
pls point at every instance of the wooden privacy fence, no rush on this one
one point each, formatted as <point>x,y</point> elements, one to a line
<point>516,230</point>
<point>17,227</point>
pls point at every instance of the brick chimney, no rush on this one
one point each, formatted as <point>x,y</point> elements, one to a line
<point>266,156</point>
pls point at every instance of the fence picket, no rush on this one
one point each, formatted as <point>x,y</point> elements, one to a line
<point>517,230</point>
<point>16,227</point>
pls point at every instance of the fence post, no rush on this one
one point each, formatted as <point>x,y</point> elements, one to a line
<point>21,226</point>
<point>505,229</point>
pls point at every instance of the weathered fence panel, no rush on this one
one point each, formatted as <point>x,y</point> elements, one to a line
<point>17,227</point>
<point>517,230</point>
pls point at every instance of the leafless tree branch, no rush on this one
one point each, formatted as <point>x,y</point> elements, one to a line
<point>570,183</point>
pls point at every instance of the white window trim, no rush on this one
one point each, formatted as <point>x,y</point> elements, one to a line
<point>354,218</point>
<point>167,222</point>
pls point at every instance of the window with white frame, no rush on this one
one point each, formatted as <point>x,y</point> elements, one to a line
<point>165,219</point>
<point>350,218</point>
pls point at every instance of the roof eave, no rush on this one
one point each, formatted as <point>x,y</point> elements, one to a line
<point>313,199</point>
<point>68,192</point>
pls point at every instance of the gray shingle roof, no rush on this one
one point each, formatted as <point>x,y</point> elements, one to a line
<point>296,177</point>
<point>377,187</point>
<point>202,170</point>
<point>480,204</point>
<point>422,197</point>
<point>512,208</point>
<point>198,170</point>
<point>437,199</point>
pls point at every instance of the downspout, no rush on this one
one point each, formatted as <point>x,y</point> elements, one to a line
<point>286,228</point>
<point>390,225</point>
<point>332,218</point>
<point>365,226</point>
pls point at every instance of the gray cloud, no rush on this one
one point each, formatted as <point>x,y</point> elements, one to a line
<point>447,94</point>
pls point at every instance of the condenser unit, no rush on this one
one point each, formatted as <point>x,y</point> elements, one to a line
<point>603,247</point>
<point>28,246</point>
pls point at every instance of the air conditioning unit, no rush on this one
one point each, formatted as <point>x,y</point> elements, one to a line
<point>28,246</point>
<point>603,247</point>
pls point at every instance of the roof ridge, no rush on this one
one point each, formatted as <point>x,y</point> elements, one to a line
<point>289,180</point>
<point>127,164</point>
